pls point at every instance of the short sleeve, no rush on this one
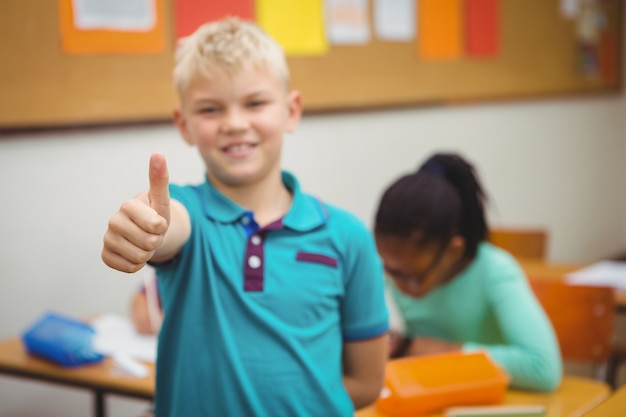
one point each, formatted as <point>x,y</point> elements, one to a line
<point>363,312</point>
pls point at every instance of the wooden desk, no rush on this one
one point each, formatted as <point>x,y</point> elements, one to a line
<point>100,379</point>
<point>615,405</point>
<point>552,271</point>
<point>574,398</point>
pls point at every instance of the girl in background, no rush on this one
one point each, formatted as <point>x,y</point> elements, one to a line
<point>454,291</point>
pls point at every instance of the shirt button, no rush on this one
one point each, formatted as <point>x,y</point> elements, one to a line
<point>255,239</point>
<point>245,220</point>
<point>254,262</point>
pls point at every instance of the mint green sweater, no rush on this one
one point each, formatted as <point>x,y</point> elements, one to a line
<point>490,307</point>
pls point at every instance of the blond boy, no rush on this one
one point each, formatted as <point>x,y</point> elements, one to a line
<point>273,301</point>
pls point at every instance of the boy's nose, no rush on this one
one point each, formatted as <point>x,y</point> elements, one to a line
<point>234,120</point>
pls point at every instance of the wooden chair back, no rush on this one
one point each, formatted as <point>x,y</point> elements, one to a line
<point>582,316</point>
<point>521,243</point>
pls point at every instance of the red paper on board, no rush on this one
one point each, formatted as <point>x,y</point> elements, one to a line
<point>482,26</point>
<point>192,13</point>
<point>608,58</point>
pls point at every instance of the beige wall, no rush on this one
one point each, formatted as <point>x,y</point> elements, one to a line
<point>557,163</point>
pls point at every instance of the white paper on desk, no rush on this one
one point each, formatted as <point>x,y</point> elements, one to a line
<point>116,335</point>
<point>604,273</point>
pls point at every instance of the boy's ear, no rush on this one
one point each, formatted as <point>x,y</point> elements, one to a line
<point>181,124</point>
<point>294,107</point>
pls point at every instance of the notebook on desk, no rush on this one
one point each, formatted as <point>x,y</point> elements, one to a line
<point>497,411</point>
<point>604,273</point>
<point>116,334</point>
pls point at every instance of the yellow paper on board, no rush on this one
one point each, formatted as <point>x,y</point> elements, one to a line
<point>298,26</point>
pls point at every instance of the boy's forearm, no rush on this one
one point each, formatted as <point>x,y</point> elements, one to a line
<point>364,369</point>
<point>362,394</point>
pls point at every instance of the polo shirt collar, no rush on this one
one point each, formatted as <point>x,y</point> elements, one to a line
<point>217,206</point>
<point>306,212</point>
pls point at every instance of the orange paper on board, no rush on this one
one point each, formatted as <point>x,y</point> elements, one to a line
<point>439,27</point>
<point>101,41</point>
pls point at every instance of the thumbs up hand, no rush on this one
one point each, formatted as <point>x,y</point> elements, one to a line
<point>159,193</point>
<point>138,229</point>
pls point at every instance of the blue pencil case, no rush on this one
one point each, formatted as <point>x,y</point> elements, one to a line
<point>63,340</point>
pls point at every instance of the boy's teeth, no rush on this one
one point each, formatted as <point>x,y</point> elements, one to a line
<point>237,148</point>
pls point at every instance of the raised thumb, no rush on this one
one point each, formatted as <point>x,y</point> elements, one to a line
<point>159,193</point>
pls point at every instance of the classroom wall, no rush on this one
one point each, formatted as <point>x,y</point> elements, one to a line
<point>558,164</point>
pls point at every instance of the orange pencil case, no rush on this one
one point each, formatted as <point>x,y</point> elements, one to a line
<point>425,384</point>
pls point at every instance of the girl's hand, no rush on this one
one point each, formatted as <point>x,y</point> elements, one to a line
<point>428,346</point>
<point>397,344</point>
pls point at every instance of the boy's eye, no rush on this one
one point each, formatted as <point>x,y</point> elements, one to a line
<point>208,110</point>
<point>256,103</point>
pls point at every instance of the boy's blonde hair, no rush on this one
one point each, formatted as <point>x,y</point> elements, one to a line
<point>230,44</point>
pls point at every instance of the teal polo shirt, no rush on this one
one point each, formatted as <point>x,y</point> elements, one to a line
<point>255,318</point>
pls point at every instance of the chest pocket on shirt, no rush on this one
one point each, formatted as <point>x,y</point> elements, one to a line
<point>317,258</point>
<point>318,281</point>
<point>308,289</point>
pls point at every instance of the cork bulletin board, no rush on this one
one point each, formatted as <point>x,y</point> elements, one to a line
<point>42,86</point>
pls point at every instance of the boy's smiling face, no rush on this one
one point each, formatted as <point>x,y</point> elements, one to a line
<point>237,121</point>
